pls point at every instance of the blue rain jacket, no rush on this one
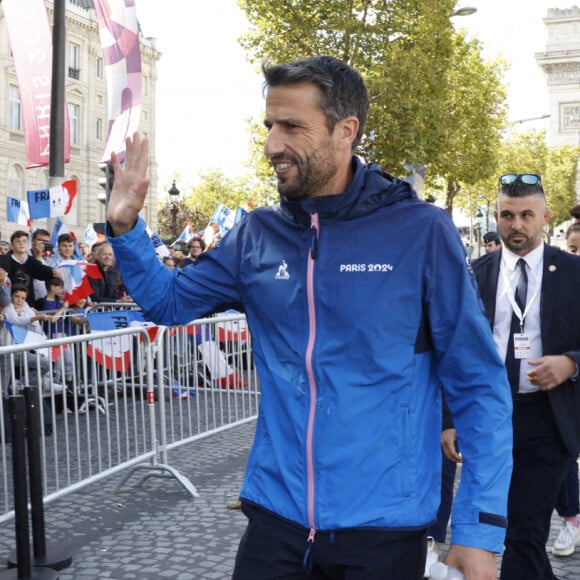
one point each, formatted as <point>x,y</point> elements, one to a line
<point>362,306</point>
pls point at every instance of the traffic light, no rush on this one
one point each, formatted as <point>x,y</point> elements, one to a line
<point>106,182</point>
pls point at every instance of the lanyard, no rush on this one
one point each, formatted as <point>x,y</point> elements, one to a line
<point>521,316</point>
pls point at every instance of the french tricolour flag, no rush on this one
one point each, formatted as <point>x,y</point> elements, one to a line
<point>75,275</point>
<point>17,211</point>
<point>185,235</point>
<point>52,202</point>
<point>115,353</point>
<point>21,335</point>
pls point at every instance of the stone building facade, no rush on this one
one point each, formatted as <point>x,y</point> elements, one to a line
<point>86,95</point>
<point>561,65</point>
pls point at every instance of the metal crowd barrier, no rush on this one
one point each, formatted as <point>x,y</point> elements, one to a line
<point>119,401</point>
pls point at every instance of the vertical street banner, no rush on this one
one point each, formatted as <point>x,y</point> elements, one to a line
<point>119,32</point>
<point>31,42</point>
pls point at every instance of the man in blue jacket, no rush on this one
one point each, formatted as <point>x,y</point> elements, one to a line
<point>353,336</point>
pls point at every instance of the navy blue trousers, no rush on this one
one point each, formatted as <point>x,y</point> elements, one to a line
<point>273,548</point>
<point>540,462</point>
<point>567,503</point>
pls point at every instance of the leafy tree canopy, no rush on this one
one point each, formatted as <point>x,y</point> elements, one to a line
<point>402,48</point>
<point>198,205</point>
<point>529,153</point>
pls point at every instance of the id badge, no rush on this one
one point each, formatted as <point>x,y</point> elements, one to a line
<point>522,347</point>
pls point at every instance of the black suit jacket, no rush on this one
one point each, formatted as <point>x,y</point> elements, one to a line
<point>560,326</point>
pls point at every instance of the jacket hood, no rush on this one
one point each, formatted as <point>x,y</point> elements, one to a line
<point>369,189</point>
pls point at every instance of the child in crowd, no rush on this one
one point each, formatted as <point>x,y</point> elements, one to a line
<point>19,313</point>
<point>77,318</point>
<point>53,301</point>
<point>54,327</point>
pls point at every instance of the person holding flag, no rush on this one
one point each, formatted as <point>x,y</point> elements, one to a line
<point>65,249</point>
<point>24,326</point>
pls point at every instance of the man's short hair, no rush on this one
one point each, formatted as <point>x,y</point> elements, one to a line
<point>491,237</point>
<point>19,288</point>
<point>40,232</point>
<point>520,189</point>
<point>343,92</point>
<point>18,234</point>
<point>65,238</point>
<point>54,282</point>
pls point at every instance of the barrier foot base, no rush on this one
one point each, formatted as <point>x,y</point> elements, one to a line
<point>35,574</point>
<point>163,471</point>
<point>56,558</point>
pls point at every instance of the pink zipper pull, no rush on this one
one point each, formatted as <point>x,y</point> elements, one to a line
<point>314,226</point>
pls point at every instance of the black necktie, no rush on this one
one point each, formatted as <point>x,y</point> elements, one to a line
<point>512,364</point>
<point>522,287</point>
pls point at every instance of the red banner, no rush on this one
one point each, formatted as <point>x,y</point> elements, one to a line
<point>30,37</point>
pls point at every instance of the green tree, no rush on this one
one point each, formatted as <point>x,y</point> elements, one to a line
<point>475,114</point>
<point>402,48</point>
<point>264,181</point>
<point>529,153</point>
<point>199,204</point>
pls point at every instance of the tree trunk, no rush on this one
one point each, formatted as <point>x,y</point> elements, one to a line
<point>452,190</point>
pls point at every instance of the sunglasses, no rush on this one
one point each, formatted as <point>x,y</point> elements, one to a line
<point>526,178</point>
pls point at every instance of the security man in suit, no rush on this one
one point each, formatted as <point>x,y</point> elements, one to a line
<point>531,293</point>
<point>492,242</point>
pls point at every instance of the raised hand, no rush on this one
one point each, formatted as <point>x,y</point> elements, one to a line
<point>130,188</point>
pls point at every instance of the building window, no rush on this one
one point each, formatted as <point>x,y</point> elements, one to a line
<point>74,115</point>
<point>15,182</point>
<point>99,67</point>
<point>99,129</point>
<point>74,62</point>
<point>15,109</point>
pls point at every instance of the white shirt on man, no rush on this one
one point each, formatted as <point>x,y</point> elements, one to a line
<point>509,275</point>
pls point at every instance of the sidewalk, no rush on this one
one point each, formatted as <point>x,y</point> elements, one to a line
<point>159,532</point>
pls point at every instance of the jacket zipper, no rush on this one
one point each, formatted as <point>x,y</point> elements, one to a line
<point>310,372</point>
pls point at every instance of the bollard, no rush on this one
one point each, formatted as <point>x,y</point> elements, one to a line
<point>55,557</point>
<point>23,570</point>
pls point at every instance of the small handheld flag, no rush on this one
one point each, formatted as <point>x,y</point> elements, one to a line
<point>52,202</point>
<point>17,211</point>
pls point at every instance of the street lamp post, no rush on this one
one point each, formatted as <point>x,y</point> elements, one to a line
<point>174,197</point>
<point>465,11</point>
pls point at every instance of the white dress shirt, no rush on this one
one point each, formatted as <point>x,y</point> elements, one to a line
<point>509,275</point>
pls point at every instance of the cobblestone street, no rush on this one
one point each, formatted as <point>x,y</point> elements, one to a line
<point>158,531</point>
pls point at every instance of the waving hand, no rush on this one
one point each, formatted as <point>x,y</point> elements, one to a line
<point>130,188</point>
